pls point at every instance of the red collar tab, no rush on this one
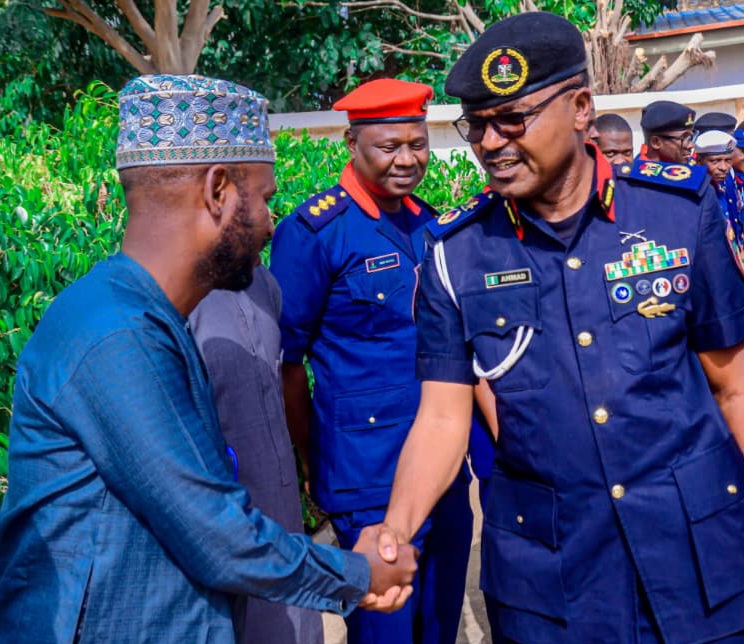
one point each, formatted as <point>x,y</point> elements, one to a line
<point>604,180</point>
<point>363,199</point>
<point>643,154</point>
<point>513,211</point>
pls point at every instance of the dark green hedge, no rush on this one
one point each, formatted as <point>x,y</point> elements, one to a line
<point>62,210</point>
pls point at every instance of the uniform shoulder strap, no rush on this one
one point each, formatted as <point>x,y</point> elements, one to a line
<point>675,176</point>
<point>457,218</point>
<point>322,208</point>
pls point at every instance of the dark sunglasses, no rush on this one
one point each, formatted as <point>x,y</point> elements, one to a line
<point>510,125</point>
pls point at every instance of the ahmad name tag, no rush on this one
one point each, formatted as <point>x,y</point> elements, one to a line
<point>383,262</point>
<point>507,278</point>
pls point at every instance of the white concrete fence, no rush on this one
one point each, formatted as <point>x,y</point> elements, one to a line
<point>444,138</point>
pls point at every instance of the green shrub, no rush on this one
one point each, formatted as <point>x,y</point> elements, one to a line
<point>62,210</point>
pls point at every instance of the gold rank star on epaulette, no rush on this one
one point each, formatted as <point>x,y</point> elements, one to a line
<point>324,207</point>
<point>323,204</point>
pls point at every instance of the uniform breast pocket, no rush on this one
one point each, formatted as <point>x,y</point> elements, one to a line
<point>522,563</point>
<point>648,320</point>
<point>371,426</point>
<point>493,320</point>
<point>712,489</point>
<point>380,300</point>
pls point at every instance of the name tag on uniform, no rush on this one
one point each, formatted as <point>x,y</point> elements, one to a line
<point>507,278</point>
<point>382,263</point>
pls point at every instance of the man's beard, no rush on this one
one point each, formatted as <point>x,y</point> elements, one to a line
<point>229,265</point>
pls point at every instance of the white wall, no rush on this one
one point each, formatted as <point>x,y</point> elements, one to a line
<point>444,138</point>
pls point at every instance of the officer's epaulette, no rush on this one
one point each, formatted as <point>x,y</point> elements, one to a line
<point>456,218</point>
<point>324,207</point>
<point>685,178</point>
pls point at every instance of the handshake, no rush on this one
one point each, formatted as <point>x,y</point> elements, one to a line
<point>392,568</point>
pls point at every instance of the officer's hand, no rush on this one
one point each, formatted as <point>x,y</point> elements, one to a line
<point>390,581</point>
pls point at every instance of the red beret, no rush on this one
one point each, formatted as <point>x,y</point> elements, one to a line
<point>386,100</point>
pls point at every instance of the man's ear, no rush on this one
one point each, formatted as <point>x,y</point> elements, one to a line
<point>216,182</point>
<point>583,101</point>
<point>654,142</point>
<point>351,143</point>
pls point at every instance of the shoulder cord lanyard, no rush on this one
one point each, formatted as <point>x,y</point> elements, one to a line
<point>524,333</point>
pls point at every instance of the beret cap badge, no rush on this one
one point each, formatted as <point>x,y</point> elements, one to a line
<point>504,71</point>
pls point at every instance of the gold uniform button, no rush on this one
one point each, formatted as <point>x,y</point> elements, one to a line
<point>520,519</point>
<point>601,416</point>
<point>372,420</point>
<point>732,489</point>
<point>585,338</point>
<point>342,193</point>
<point>618,491</point>
<point>380,296</point>
<point>574,263</point>
<point>500,321</point>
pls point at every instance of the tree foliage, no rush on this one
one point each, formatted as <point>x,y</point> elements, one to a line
<point>302,54</point>
<point>62,209</point>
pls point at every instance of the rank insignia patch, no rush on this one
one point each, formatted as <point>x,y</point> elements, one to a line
<point>676,172</point>
<point>382,263</point>
<point>644,258</point>
<point>651,169</point>
<point>449,217</point>
<point>322,205</point>
<point>507,278</point>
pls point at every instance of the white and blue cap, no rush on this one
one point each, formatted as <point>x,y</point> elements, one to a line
<point>175,120</point>
<point>714,142</point>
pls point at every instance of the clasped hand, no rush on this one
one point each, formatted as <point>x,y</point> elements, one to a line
<point>392,568</point>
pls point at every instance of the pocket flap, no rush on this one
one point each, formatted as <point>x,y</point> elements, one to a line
<point>375,288</point>
<point>501,310</point>
<point>712,480</point>
<point>523,507</point>
<point>376,408</point>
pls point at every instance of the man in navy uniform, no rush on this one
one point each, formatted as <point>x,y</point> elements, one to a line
<point>347,261</point>
<point>608,316</point>
<point>714,150</point>
<point>667,132</point>
<point>714,121</point>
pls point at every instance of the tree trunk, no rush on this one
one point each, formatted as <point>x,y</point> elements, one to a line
<point>163,50</point>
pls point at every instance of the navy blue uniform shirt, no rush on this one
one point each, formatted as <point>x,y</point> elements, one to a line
<point>347,280</point>
<point>616,474</point>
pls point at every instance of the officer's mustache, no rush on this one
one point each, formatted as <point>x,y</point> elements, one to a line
<point>496,156</point>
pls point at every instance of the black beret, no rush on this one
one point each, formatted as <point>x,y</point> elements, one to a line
<point>715,121</point>
<point>666,116</point>
<point>515,57</point>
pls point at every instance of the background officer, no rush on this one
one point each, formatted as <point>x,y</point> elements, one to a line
<point>346,261</point>
<point>608,316</point>
<point>667,132</point>
<point>714,150</point>
<point>614,138</point>
<point>714,121</point>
